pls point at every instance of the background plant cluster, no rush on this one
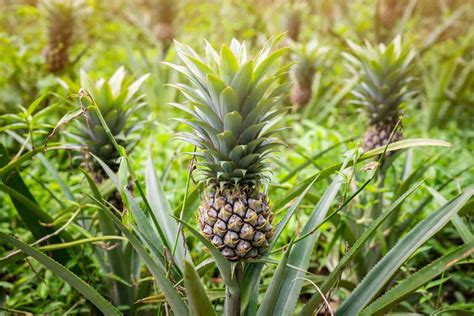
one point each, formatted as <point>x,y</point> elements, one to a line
<point>328,129</point>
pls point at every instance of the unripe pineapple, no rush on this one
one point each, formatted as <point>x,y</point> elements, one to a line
<point>384,74</point>
<point>232,99</point>
<point>62,18</point>
<point>307,58</point>
<point>117,101</point>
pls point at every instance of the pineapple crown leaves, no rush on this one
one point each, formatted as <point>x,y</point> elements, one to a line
<point>118,101</point>
<point>307,57</point>
<point>60,12</point>
<point>232,100</point>
<point>385,77</point>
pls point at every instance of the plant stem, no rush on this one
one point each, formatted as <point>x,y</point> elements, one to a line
<point>232,293</point>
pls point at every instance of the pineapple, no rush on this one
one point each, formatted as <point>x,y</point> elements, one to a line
<point>293,22</point>
<point>62,16</point>
<point>117,101</point>
<point>388,12</point>
<point>163,16</point>
<point>295,14</point>
<point>233,101</point>
<point>307,58</point>
<point>384,74</point>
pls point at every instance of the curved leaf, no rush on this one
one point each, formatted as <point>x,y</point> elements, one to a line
<point>390,263</point>
<point>199,303</point>
<point>73,280</point>
<point>395,294</point>
<point>335,273</point>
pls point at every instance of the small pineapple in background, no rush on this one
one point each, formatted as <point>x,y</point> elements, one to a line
<point>389,12</point>
<point>232,101</point>
<point>307,58</point>
<point>117,101</point>
<point>295,15</point>
<point>293,22</point>
<point>62,19</point>
<point>384,74</point>
<point>164,15</point>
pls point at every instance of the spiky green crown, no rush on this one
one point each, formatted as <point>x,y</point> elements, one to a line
<point>117,101</point>
<point>385,74</point>
<point>232,100</point>
<point>307,58</point>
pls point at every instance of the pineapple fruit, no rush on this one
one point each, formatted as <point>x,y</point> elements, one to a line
<point>389,12</point>
<point>117,101</point>
<point>62,18</point>
<point>307,58</point>
<point>163,18</point>
<point>293,22</point>
<point>232,99</point>
<point>385,75</point>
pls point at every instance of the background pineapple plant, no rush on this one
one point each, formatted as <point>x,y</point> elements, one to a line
<point>62,24</point>
<point>118,102</point>
<point>233,102</point>
<point>308,58</point>
<point>385,78</point>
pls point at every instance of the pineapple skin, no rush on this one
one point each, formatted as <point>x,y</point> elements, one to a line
<point>293,26</point>
<point>164,32</point>
<point>378,135</point>
<point>388,13</point>
<point>238,223</point>
<point>300,95</point>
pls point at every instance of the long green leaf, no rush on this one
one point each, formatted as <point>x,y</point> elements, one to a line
<point>160,275</point>
<point>292,280</point>
<point>118,263</point>
<point>154,238</point>
<point>334,275</point>
<point>252,272</point>
<point>199,303</point>
<point>162,211</point>
<point>395,294</point>
<point>13,164</point>
<point>53,172</point>
<point>462,228</point>
<point>73,280</point>
<point>322,174</point>
<point>390,263</point>
<point>271,297</point>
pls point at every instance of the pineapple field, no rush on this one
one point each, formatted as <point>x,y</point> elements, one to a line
<point>257,157</point>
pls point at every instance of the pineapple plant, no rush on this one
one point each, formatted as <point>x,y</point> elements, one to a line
<point>62,19</point>
<point>307,58</point>
<point>385,76</point>
<point>233,99</point>
<point>118,102</point>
